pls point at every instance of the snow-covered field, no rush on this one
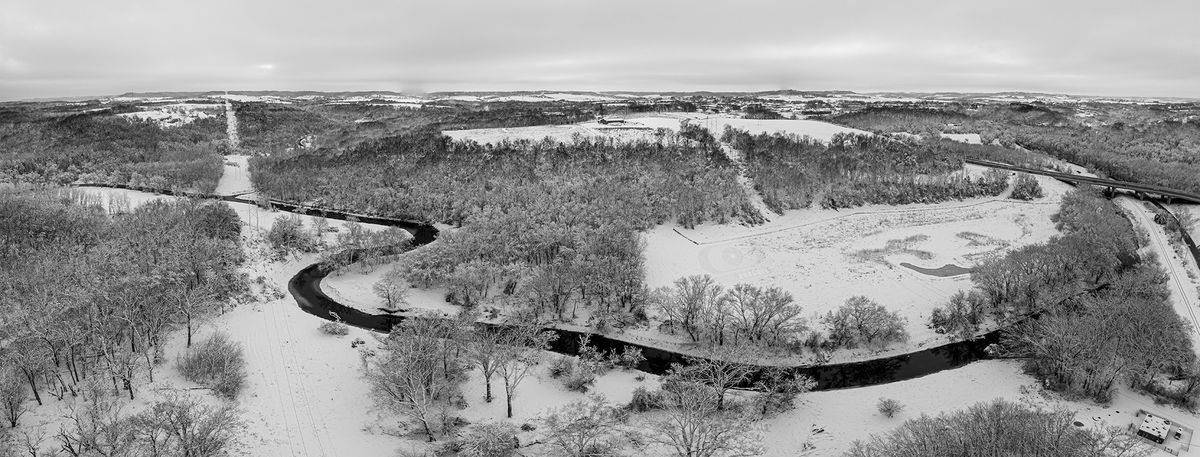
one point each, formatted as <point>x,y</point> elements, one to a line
<point>823,257</point>
<point>969,138</point>
<point>175,114</point>
<point>643,127</point>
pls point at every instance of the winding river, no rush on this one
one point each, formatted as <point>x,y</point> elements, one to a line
<point>305,287</point>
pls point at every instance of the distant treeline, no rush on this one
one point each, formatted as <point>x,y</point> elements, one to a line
<point>1129,143</point>
<point>100,146</point>
<point>793,172</point>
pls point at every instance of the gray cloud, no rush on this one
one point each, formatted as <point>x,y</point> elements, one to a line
<point>61,48</point>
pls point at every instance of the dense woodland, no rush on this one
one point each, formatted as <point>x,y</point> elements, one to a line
<point>1147,145</point>
<point>550,227</point>
<point>1088,281</point>
<point>793,172</point>
<point>276,127</point>
<point>41,145</point>
<point>90,295</point>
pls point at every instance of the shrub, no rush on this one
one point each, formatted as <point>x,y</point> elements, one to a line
<point>961,316</point>
<point>889,407</point>
<point>580,381</point>
<point>335,328</point>
<point>491,439</point>
<point>217,363</point>
<point>562,366</point>
<point>1026,188</point>
<point>645,400</point>
<point>630,357</point>
<point>287,233</point>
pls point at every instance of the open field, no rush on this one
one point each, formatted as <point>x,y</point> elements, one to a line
<point>823,257</point>
<point>643,126</point>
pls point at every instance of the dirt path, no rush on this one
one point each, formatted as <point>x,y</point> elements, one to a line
<point>747,184</point>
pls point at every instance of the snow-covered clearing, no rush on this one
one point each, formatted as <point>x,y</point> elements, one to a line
<point>174,115</point>
<point>823,257</point>
<point>236,178</point>
<point>231,125</point>
<point>643,127</point>
<point>969,138</point>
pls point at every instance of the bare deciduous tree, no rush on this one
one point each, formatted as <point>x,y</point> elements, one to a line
<point>720,369</point>
<point>694,427</point>
<point>585,428</point>
<point>519,352</point>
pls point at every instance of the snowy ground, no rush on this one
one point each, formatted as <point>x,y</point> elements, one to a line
<point>176,114</point>
<point>823,257</point>
<point>643,127</point>
<point>306,398</point>
<point>969,138</point>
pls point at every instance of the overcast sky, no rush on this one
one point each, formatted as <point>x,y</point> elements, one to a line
<point>52,48</point>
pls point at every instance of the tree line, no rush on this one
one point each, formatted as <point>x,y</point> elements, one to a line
<point>1088,281</point>
<point>90,294</point>
<point>793,172</point>
<point>101,147</point>
<point>768,317</point>
<point>1136,144</point>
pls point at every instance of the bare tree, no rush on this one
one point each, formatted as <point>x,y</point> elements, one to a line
<point>864,321</point>
<point>686,304</point>
<point>763,314</point>
<point>584,428</point>
<point>486,352</point>
<point>407,378</point>
<point>95,427</point>
<point>181,426</point>
<point>13,395</point>
<point>695,428</point>
<point>520,352</point>
<point>720,369</point>
<point>393,289</point>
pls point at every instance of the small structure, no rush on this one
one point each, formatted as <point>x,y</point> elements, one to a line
<point>1168,435</point>
<point>1154,428</point>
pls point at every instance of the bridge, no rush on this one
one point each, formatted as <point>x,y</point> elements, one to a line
<point>1140,189</point>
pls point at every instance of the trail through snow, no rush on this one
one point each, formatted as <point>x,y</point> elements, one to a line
<point>747,184</point>
<point>231,125</point>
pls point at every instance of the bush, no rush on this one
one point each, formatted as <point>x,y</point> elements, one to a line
<point>562,366</point>
<point>645,400</point>
<point>1026,188</point>
<point>961,316</point>
<point>491,439</point>
<point>287,233</point>
<point>580,381</point>
<point>889,407</point>
<point>630,357</point>
<point>335,328</point>
<point>217,363</point>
